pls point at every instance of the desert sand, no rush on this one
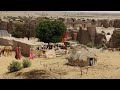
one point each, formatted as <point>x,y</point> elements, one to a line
<point>107,67</point>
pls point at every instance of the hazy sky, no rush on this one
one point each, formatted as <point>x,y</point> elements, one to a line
<point>97,11</point>
<point>68,11</point>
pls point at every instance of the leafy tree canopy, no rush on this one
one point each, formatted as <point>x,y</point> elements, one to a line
<point>51,31</point>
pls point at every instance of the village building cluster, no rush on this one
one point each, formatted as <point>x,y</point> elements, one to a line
<point>83,31</point>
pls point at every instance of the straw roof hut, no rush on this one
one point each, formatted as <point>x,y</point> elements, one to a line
<point>82,57</point>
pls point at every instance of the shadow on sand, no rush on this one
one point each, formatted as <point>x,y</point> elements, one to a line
<point>33,74</point>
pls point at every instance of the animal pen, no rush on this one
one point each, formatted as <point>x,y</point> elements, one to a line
<point>25,47</point>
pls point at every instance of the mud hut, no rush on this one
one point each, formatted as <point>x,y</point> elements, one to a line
<point>82,57</point>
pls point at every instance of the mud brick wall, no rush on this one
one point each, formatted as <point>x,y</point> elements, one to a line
<point>6,42</point>
<point>92,32</point>
<point>83,36</point>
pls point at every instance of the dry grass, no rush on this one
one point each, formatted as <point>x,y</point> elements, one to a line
<point>108,67</point>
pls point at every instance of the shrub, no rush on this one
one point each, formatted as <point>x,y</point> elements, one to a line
<point>25,54</point>
<point>14,66</point>
<point>90,45</point>
<point>98,46</point>
<point>26,63</point>
<point>17,34</point>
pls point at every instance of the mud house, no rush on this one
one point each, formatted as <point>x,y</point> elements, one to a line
<point>82,57</point>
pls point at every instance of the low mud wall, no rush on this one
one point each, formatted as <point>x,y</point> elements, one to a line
<point>25,48</point>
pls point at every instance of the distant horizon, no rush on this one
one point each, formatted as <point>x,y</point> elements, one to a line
<point>75,14</point>
<point>97,11</point>
<point>66,11</point>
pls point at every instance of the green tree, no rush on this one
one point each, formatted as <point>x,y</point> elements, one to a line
<point>24,29</point>
<point>18,30</point>
<point>51,31</point>
<point>29,32</point>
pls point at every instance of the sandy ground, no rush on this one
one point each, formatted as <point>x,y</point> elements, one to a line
<point>107,67</point>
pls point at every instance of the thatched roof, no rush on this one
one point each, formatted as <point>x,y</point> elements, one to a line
<point>80,47</point>
<point>81,53</point>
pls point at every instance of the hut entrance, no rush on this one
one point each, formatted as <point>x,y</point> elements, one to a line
<point>91,61</point>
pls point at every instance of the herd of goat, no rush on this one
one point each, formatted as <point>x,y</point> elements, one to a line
<point>53,45</point>
<point>7,50</point>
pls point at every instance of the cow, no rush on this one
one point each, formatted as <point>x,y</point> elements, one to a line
<point>2,50</point>
<point>7,50</point>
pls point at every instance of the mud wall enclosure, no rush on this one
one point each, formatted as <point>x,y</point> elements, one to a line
<point>25,48</point>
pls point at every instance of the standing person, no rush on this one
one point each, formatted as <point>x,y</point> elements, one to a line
<point>31,54</point>
<point>17,53</point>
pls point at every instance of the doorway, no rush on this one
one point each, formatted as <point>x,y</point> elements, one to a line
<point>91,61</point>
